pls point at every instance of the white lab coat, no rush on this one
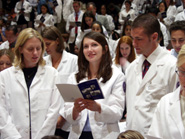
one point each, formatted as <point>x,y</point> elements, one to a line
<point>44,98</point>
<point>170,13</point>
<point>71,18</point>
<point>103,125</point>
<point>67,66</point>
<point>49,21</point>
<point>167,120</point>
<point>67,8</point>
<point>27,9</point>
<point>57,12</point>
<point>123,14</point>
<point>180,16</point>
<point>142,95</point>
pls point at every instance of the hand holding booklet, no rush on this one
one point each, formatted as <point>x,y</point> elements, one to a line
<point>88,90</point>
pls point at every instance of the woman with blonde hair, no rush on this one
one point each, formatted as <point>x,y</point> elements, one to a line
<point>125,53</point>
<point>130,134</point>
<point>30,99</point>
<point>6,59</point>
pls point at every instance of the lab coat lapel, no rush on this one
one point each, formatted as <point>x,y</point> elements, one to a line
<point>38,74</point>
<point>19,75</point>
<point>175,112</point>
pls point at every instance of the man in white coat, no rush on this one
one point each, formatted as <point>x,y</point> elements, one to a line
<point>145,89</point>
<point>181,16</point>
<point>177,33</point>
<point>73,30</point>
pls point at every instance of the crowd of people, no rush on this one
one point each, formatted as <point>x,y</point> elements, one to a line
<point>136,51</point>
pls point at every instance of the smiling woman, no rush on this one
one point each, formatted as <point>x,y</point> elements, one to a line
<point>89,118</point>
<point>29,91</point>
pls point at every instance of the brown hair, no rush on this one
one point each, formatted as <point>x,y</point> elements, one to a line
<point>105,69</point>
<point>52,33</point>
<point>132,55</point>
<point>8,53</point>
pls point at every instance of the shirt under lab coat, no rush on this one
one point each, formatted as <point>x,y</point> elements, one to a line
<point>167,120</point>
<point>45,102</point>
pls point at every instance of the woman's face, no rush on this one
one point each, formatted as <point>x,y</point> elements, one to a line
<point>43,10</point>
<point>51,46</point>
<point>31,52</point>
<point>127,6</point>
<point>96,28</point>
<point>128,30</point>
<point>5,62</point>
<point>92,51</point>
<point>181,74</point>
<point>162,7</point>
<point>125,50</point>
<point>89,21</point>
<point>103,10</point>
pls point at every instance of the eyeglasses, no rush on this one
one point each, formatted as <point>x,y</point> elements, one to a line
<point>180,73</point>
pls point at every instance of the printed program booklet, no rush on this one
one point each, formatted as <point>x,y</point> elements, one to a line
<point>88,90</point>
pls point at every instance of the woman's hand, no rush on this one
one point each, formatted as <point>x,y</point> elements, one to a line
<point>78,107</point>
<point>92,105</point>
<point>60,122</point>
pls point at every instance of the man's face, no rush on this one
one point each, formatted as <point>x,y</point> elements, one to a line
<point>143,43</point>
<point>177,39</point>
<point>11,37</point>
<point>76,7</point>
<point>93,9</point>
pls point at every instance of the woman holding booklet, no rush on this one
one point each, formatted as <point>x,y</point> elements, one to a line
<point>96,118</point>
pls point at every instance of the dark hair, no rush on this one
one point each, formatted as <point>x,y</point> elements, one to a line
<point>86,14</point>
<point>178,25</point>
<point>75,1</point>
<point>12,28</point>
<point>128,1</point>
<point>52,33</point>
<point>127,23</point>
<point>152,10</point>
<point>105,69</point>
<point>90,3</point>
<point>45,5</point>
<point>164,4</point>
<point>97,22</point>
<point>51,137</point>
<point>149,23</point>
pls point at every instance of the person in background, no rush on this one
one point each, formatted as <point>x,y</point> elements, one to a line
<point>125,53</point>
<point>168,120</point>
<point>6,59</point>
<point>152,74</point>
<point>127,13</point>
<point>126,30</point>
<point>31,100</point>
<point>177,33</point>
<point>102,19</point>
<point>109,17</point>
<point>64,62</point>
<point>22,10</point>
<point>11,34</point>
<point>96,118</point>
<point>181,15</point>
<point>76,16</point>
<point>45,19</point>
<point>87,20</point>
<point>130,134</point>
<point>162,7</point>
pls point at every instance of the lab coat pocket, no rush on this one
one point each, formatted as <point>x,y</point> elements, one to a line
<point>154,92</point>
<point>44,98</point>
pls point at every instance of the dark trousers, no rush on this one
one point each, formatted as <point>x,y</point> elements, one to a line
<point>86,135</point>
<point>62,133</point>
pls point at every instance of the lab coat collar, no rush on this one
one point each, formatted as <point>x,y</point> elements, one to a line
<point>151,73</point>
<point>175,111</point>
<point>19,75</point>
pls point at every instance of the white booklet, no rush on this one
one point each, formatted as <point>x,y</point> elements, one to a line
<point>88,90</point>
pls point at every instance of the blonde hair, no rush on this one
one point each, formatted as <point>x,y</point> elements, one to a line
<point>130,134</point>
<point>181,57</point>
<point>23,37</point>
